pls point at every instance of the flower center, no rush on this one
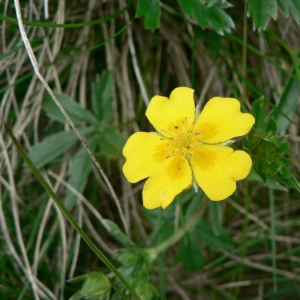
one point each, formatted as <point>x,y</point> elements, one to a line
<point>180,140</point>
<point>183,140</point>
<point>182,143</point>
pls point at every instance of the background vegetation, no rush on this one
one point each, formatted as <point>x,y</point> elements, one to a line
<point>103,61</point>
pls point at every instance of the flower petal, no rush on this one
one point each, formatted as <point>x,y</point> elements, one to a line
<point>174,113</point>
<point>144,153</point>
<point>161,188</point>
<point>217,168</point>
<point>221,120</point>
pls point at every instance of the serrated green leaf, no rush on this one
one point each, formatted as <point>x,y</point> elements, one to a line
<point>77,113</point>
<point>118,234</point>
<point>78,172</point>
<point>208,14</point>
<point>261,11</point>
<point>111,142</point>
<point>190,253</point>
<point>287,105</point>
<point>290,7</point>
<point>219,20</point>
<point>150,9</point>
<point>102,96</point>
<point>54,145</point>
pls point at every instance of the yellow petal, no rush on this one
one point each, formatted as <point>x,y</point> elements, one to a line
<point>169,115</point>
<point>161,188</point>
<point>144,153</point>
<point>217,168</point>
<point>222,120</point>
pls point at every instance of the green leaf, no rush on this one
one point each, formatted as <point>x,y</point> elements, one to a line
<point>150,9</point>
<point>287,105</point>
<point>208,14</point>
<point>118,234</point>
<point>54,145</point>
<point>290,180</point>
<point>283,147</point>
<point>261,11</point>
<point>102,96</point>
<point>259,113</point>
<point>77,113</point>
<point>195,200</point>
<point>215,214</point>
<point>140,258</point>
<point>269,183</point>
<point>190,253</point>
<point>95,285</point>
<point>205,232</point>
<point>290,7</point>
<point>271,126</point>
<point>145,290</point>
<point>111,142</point>
<point>78,173</point>
<point>161,234</point>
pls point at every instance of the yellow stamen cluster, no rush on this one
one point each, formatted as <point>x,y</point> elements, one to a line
<point>180,141</point>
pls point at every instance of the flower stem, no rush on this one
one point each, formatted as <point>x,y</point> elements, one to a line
<point>181,232</point>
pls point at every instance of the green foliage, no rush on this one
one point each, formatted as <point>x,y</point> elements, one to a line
<point>261,11</point>
<point>211,13</point>
<point>215,215</point>
<point>102,96</point>
<point>104,137</point>
<point>111,142</point>
<point>190,253</point>
<point>204,231</point>
<point>78,179</point>
<point>267,151</point>
<point>150,10</point>
<point>287,106</point>
<point>96,286</point>
<point>290,8</point>
<point>55,145</point>
<point>118,234</point>
<point>136,266</point>
<point>77,113</point>
<point>208,14</point>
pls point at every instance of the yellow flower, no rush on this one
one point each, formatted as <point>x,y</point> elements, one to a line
<point>188,149</point>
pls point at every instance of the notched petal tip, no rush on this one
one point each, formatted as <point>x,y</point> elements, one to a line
<point>217,168</point>
<point>166,113</point>
<point>222,120</point>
